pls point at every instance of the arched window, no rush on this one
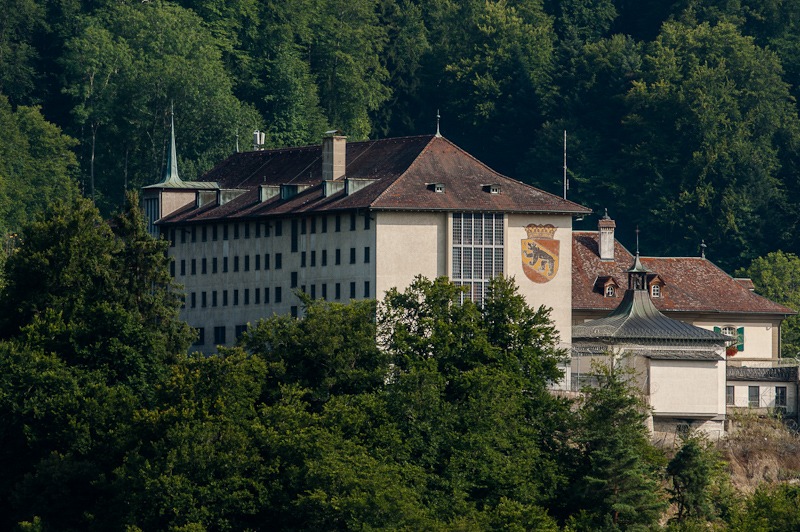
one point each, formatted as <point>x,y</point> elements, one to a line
<point>655,290</point>
<point>610,290</point>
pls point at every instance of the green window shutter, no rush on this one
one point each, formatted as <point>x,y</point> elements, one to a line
<point>740,338</point>
<point>718,330</point>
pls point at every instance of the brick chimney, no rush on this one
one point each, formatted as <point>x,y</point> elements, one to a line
<point>606,228</point>
<point>334,147</point>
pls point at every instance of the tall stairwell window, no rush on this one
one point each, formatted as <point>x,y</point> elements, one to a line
<point>477,254</point>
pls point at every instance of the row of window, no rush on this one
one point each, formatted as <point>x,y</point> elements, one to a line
<point>478,251</point>
<point>265,228</point>
<point>306,259</point>
<point>215,298</point>
<point>754,399</point>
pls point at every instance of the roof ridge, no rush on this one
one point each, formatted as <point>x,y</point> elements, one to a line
<point>404,172</point>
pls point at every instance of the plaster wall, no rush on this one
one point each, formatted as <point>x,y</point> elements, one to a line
<point>766,394</point>
<point>690,388</point>
<point>759,336</point>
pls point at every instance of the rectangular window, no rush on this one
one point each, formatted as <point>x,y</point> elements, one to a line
<point>324,290</point>
<point>313,222</point>
<point>172,238</point>
<point>313,291</point>
<point>303,226</point>
<point>183,236</point>
<point>477,252</point>
<point>214,265</point>
<point>303,259</point>
<point>366,288</point>
<point>313,258</point>
<point>224,231</point>
<point>203,299</point>
<point>236,263</point>
<point>194,233</point>
<point>753,396</point>
<point>258,229</point>
<point>213,232</point>
<point>183,266</point>
<point>224,264</point>
<point>266,295</point>
<point>366,220</point>
<point>279,228</point>
<point>235,297</point>
<point>247,262</point>
<point>366,255</point>
<point>172,268</point>
<point>730,397</point>
<point>278,261</point>
<point>219,335</point>
<point>338,223</point>
<point>204,266</point>
<point>257,296</point>
<point>294,236</point>
<point>352,290</point>
<point>257,264</point>
<point>213,298</point>
<point>324,221</point>
<point>338,257</point>
<point>294,280</point>
<point>293,311</point>
<point>224,298</point>
<point>278,291</point>
<point>352,221</point>
<point>324,258</point>
<point>194,266</point>
<point>194,299</point>
<point>338,290</point>
<point>247,230</point>
<point>240,329</point>
<point>204,233</point>
<point>246,296</point>
<point>266,261</point>
<point>236,231</point>
<point>780,397</point>
<point>352,255</point>
<point>201,336</point>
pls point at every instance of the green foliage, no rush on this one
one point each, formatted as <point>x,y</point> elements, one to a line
<point>776,276</point>
<point>619,487</point>
<point>695,470</point>
<point>769,509</point>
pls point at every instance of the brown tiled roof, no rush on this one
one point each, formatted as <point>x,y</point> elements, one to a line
<point>402,170</point>
<point>691,284</point>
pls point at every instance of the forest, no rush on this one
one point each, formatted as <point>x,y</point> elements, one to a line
<point>413,412</point>
<point>681,116</point>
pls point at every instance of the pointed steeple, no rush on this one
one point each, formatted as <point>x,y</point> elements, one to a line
<point>637,274</point>
<point>171,171</point>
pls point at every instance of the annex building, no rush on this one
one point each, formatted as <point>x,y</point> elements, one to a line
<point>350,220</point>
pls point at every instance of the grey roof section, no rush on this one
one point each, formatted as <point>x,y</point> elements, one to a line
<point>637,319</point>
<point>678,354</point>
<point>785,374</point>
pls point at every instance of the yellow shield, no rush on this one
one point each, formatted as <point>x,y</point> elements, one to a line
<point>540,253</point>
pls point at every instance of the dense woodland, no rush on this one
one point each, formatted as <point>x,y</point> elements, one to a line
<point>681,115</point>
<point>414,413</point>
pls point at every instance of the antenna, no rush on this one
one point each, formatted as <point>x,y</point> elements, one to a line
<point>237,141</point>
<point>438,134</point>
<point>703,249</point>
<point>566,180</point>
<point>637,240</point>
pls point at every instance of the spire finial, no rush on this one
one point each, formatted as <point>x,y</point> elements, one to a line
<point>438,117</point>
<point>171,171</point>
<point>703,249</point>
<point>637,240</point>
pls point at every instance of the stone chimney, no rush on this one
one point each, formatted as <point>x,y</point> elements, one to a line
<point>334,147</point>
<point>606,228</point>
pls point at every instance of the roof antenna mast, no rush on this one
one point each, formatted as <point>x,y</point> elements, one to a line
<point>566,180</point>
<point>438,134</point>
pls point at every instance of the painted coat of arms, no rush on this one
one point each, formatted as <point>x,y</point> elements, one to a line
<point>540,253</point>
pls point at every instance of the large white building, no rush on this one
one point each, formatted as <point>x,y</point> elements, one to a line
<point>349,220</point>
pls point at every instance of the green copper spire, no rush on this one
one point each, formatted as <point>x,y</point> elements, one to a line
<point>171,176</point>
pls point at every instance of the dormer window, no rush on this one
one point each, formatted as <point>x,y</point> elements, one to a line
<point>492,189</point>
<point>655,290</point>
<point>436,187</point>
<point>611,291</point>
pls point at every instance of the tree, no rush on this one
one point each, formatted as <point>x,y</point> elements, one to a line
<point>776,277</point>
<point>693,471</point>
<point>617,488</point>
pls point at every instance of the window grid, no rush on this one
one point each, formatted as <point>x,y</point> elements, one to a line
<point>478,251</point>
